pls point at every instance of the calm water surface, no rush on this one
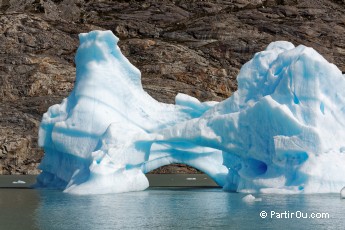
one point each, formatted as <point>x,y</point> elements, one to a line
<point>166,208</point>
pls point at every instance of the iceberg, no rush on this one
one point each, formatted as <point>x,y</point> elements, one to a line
<point>282,131</point>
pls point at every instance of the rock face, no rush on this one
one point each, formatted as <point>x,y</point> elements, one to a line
<point>193,47</point>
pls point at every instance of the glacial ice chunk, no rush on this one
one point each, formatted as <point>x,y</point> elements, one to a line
<point>18,182</point>
<point>282,131</point>
<point>250,198</point>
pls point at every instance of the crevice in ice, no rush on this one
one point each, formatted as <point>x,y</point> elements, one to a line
<point>295,99</point>
<point>322,108</point>
<point>253,168</point>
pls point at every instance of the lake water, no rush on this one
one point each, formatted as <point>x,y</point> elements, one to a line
<point>165,208</point>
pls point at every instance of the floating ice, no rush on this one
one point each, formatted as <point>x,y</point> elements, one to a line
<point>250,198</point>
<point>190,178</point>
<point>282,131</point>
<point>18,182</point>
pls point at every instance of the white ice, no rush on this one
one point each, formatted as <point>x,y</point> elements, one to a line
<point>282,131</point>
<point>18,182</point>
<point>250,198</point>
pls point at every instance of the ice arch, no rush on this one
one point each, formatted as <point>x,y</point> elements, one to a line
<point>282,130</point>
<point>207,160</point>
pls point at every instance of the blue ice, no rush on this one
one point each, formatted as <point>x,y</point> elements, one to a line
<point>282,131</point>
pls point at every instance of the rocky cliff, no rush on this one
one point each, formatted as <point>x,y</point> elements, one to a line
<point>194,47</point>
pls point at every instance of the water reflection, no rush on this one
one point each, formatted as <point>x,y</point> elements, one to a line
<point>151,209</point>
<point>163,209</point>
